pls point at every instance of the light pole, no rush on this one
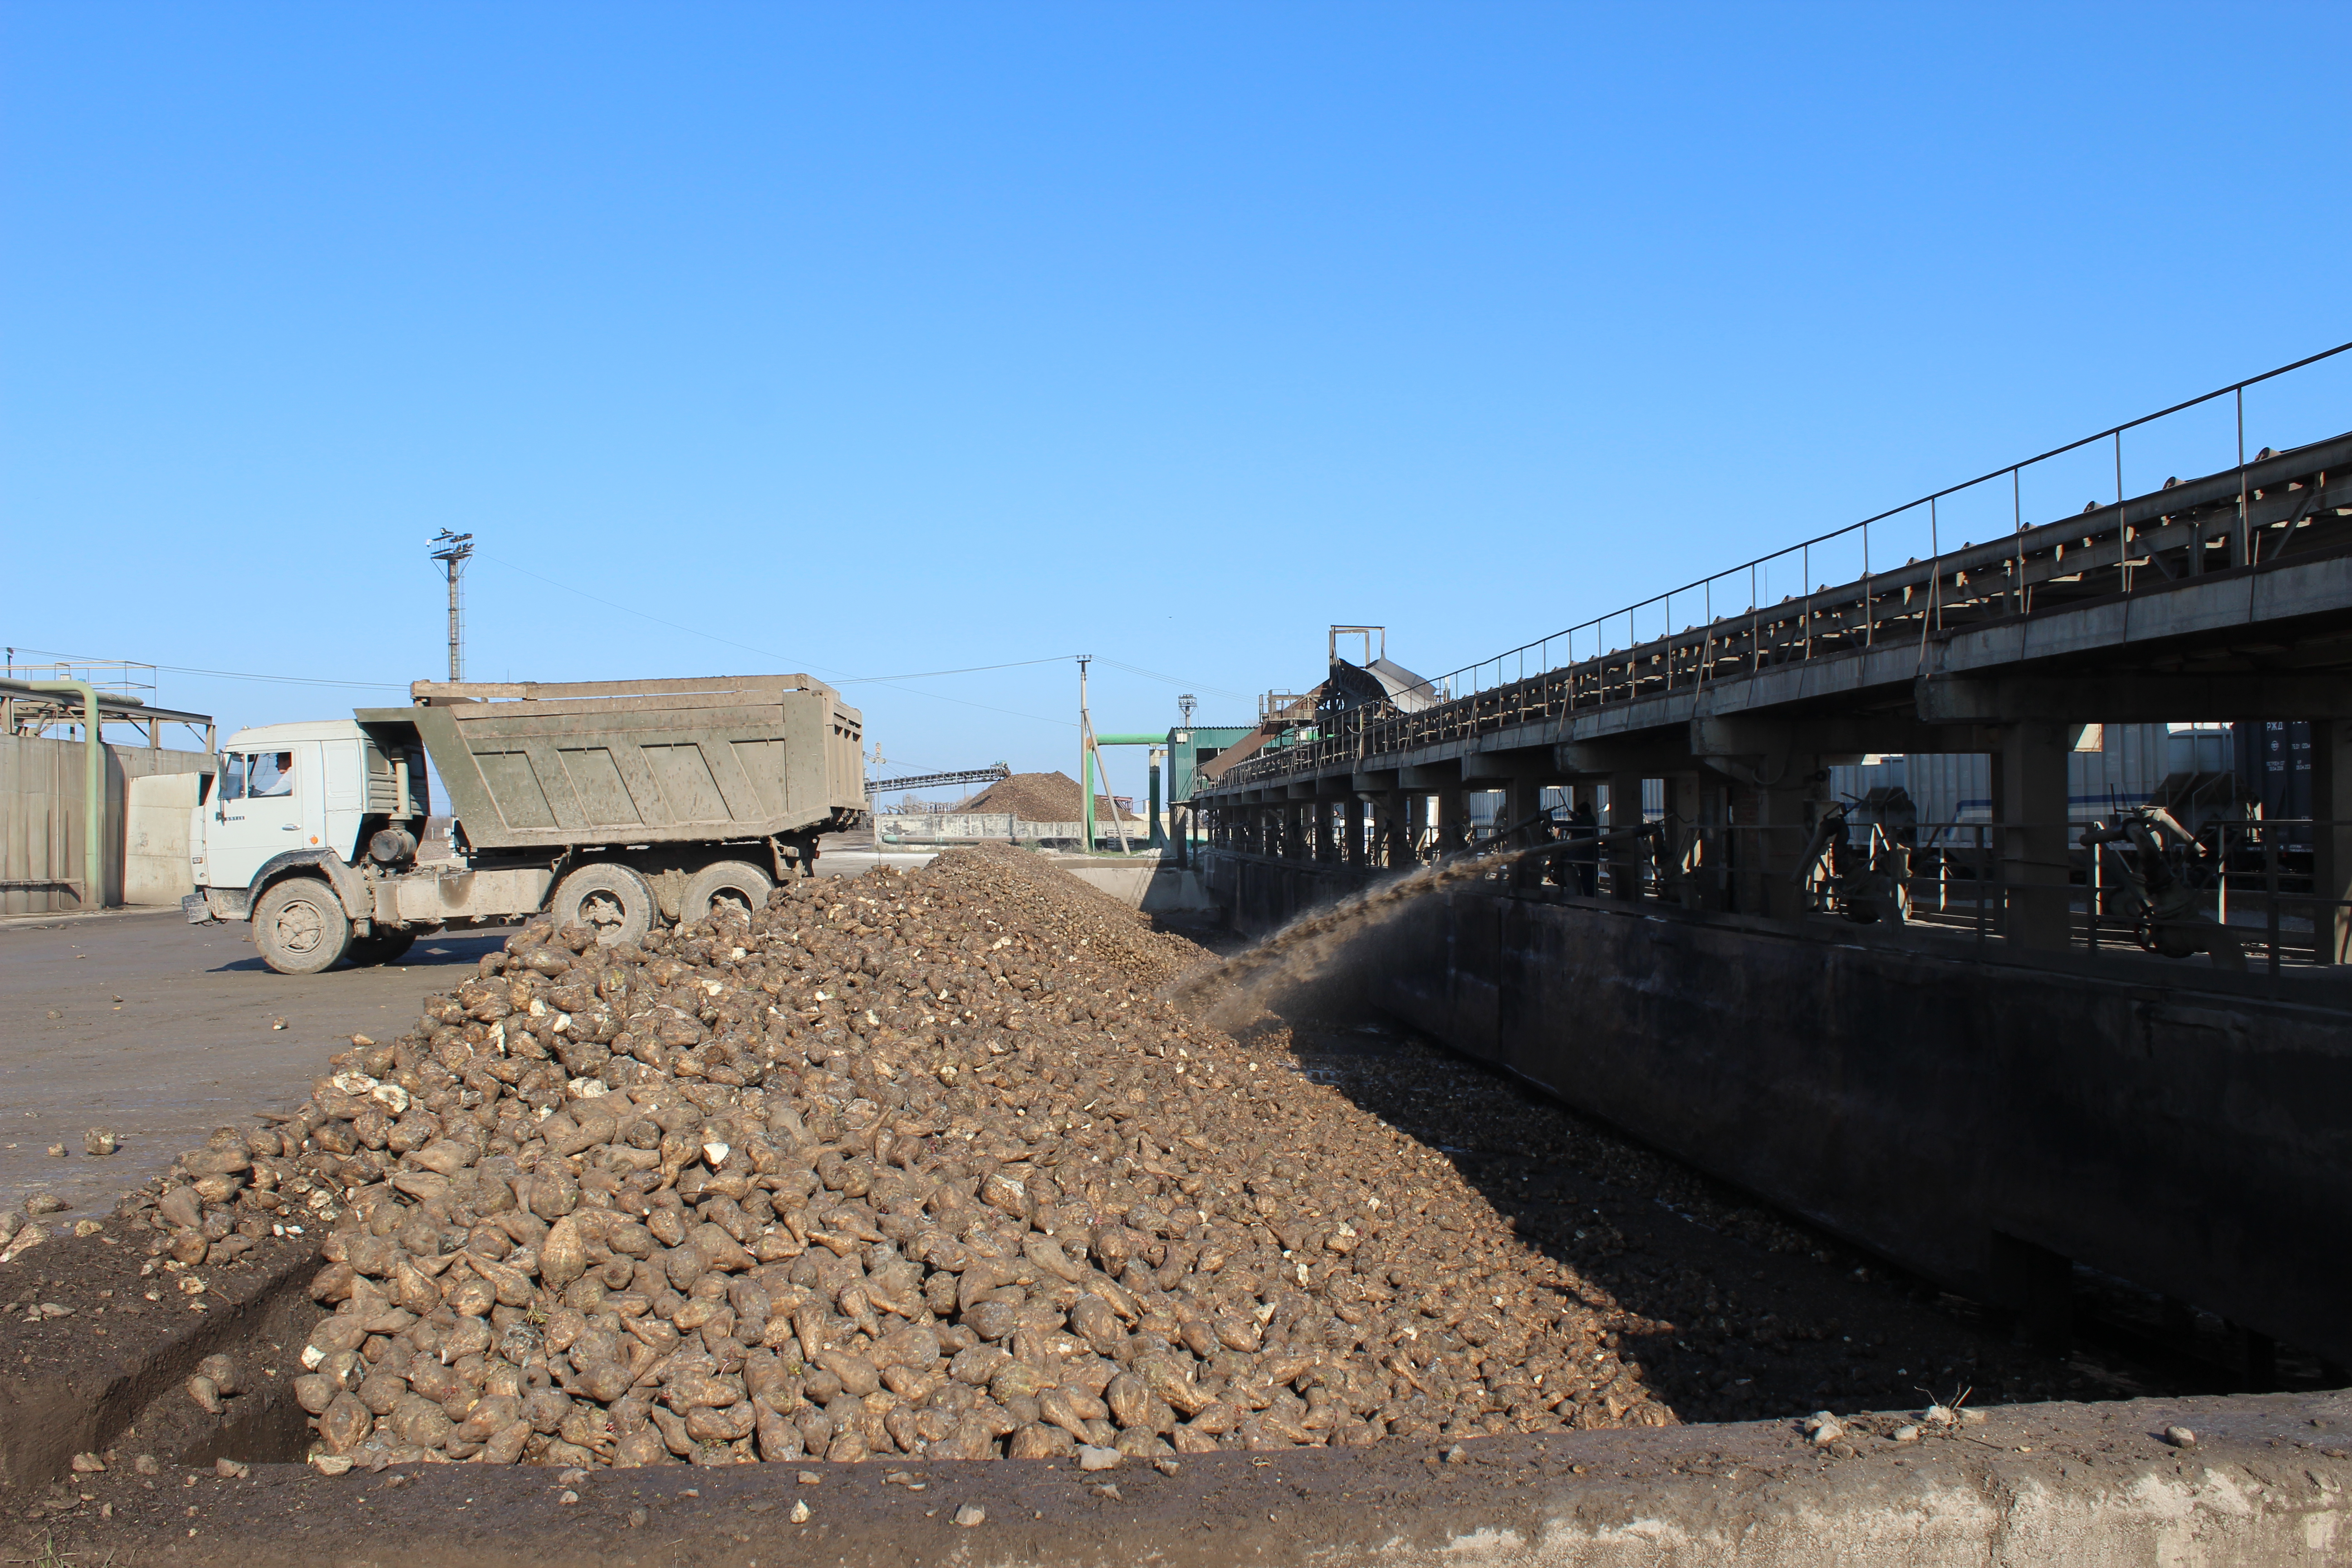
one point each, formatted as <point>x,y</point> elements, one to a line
<point>453,550</point>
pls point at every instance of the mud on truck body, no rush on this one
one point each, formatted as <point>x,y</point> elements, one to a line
<point>616,804</point>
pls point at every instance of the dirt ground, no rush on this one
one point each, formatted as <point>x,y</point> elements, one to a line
<point>161,1031</point>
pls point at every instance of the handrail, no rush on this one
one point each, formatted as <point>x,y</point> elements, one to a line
<point>2097,551</point>
<point>1437,685</point>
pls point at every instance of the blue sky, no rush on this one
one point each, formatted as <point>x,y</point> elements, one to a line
<point>880,339</point>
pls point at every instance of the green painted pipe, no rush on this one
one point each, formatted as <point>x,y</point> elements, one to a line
<point>93,789</point>
<point>1160,739</point>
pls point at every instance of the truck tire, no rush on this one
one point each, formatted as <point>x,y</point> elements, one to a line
<point>610,900</point>
<point>384,947</point>
<point>722,883</point>
<point>300,926</point>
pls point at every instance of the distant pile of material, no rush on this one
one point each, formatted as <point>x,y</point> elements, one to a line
<point>906,1164</point>
<point>1042,797</point>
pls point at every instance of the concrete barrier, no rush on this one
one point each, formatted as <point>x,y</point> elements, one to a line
<point>1150,886</point>
<point>2265,1484</point>
<point>155,868</point>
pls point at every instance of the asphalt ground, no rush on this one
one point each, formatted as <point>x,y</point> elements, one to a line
<point>159,1031</point>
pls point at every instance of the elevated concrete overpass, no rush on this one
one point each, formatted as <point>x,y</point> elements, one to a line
<point>2225,598</point>
<point>1968,1062</point>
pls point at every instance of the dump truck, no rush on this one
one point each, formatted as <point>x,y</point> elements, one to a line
<point>614,803</point>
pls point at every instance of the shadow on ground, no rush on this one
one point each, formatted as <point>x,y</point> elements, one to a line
<point>445,950</point>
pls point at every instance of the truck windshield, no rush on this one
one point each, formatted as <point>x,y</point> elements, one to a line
<point>256,774</point>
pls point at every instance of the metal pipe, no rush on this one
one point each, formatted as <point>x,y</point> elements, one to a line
<point>93,788</point>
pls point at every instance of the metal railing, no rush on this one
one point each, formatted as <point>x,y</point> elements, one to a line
<point>2249,897</point>
<point>2248,894</point>
<point>2246,513</point>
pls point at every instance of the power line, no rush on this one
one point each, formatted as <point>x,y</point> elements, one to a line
<point>968,669</point>
<point>1173,680</point>
<point>645,615</point>
<point>767,652</point>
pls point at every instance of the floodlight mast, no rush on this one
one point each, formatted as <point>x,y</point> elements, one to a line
<point>453,550</point>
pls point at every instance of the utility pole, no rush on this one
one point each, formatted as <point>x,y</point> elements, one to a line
<point>453,550</point>
<point>874,804</point>
<point>1086,763</point>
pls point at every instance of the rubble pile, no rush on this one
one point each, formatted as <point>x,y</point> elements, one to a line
<point>908,1164</point>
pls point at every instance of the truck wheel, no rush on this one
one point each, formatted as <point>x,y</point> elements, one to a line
<point>610,900</point>
<point>300,927</point>
<point>385,947</point>
<point>724,885</point>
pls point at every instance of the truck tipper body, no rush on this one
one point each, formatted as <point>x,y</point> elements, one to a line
<point>614,803</point>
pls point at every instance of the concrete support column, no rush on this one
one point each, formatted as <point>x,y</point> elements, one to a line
<point>2029,803</point>
<point>1323,849</point>
<point>1522,800</point>
<point>2331,839</point>
<point>1397,819</point>
<point>1453,819</point>
<point>1683,810</point>
<point>1743,847</point>
<point>1354,830</point>
<point>1579,867</point>
<point>1771,824</point>
<point>1625,856</point>
<point>1711,880</point>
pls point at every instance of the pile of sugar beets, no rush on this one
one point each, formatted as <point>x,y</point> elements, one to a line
<point>906,1164</point>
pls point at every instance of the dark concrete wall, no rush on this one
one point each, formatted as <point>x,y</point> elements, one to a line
<point>2167,1125</point>
<point>1259,895</point>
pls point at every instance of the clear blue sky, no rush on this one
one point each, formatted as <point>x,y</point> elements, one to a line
<point>895,339</point>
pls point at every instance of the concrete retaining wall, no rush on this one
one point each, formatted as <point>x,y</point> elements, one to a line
<point>1153,888</point>
<point>2169,1124</point>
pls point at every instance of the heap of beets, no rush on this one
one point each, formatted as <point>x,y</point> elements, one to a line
<point>906,1164</point>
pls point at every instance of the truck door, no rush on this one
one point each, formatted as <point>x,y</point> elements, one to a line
<point>259,810</point>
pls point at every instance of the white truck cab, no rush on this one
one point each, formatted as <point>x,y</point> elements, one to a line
<point>286,823</point>
<point>281,787</point>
